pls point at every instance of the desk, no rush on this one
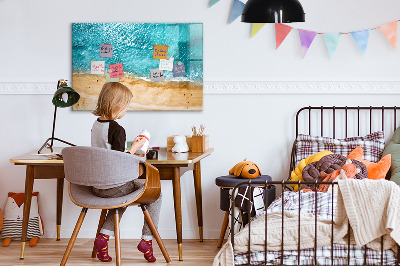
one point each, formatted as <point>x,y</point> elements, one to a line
<point>170,165</point>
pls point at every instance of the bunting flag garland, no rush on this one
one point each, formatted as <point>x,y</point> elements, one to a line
<point>213,2</point>
<point>281,31</point>
<point>361,37</point>
<point>306,39</point>
<point>237,9</point>
<point>389,30</point>
<point>332,41</point>
<point>256,27</point>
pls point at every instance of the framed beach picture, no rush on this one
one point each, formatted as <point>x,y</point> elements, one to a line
<point>161,63</point>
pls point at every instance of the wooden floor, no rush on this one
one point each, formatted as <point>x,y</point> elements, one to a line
<point>50,252</point>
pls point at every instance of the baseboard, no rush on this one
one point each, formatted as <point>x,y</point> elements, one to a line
<point>246,87</point>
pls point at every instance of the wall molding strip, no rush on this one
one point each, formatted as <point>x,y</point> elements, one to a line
<point>247,87</point>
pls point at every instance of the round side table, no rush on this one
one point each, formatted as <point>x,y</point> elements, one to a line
<point>226,183</point>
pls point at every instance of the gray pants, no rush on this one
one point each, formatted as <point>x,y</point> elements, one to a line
<point>154,208</point>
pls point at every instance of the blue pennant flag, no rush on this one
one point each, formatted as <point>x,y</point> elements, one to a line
<point>237,9</point>
<point>332,41</point>
<point>361,38</point>
<point>213,2</point>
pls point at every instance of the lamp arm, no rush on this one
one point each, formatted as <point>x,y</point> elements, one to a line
<point>54,126</point>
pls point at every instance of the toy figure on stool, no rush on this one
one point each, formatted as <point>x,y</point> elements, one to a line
<point>13,215</point>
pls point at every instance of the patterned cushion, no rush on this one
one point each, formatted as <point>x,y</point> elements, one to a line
<point>372,144</point>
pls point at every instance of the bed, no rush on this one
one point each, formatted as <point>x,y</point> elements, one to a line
<point>298,227</point>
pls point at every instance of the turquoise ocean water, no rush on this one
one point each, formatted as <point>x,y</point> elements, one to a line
<point>133,46</point>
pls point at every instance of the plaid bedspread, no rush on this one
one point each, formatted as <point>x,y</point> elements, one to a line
<point>307,202</point>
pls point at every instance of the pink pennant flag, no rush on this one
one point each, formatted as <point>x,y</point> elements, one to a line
<point>281,31</point>
<point>389,30</point>
<point>306,39</point>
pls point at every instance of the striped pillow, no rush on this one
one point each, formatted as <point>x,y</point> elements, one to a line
<point>372,145</point>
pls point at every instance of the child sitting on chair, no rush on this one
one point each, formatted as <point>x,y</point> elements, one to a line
<point>112,104</point>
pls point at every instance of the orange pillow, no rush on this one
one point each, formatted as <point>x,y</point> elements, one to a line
<point>375,170</point>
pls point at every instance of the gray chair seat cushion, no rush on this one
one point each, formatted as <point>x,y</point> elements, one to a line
<point>83,196</point>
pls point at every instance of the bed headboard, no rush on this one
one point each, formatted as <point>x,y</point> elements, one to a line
<point>344,121</point>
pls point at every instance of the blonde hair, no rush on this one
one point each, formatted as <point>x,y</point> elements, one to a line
<point>113,97</point>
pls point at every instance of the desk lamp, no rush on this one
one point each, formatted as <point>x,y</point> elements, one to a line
<point>273,11</point>
<point>64,97</point>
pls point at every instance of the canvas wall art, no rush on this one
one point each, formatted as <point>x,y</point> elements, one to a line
<point>161,63</point>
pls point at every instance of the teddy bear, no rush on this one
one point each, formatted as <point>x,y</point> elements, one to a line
<point>180,144</point>
<point>13,215</point>
<point>245,169</point>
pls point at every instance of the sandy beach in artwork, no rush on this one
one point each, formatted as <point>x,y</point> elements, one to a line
<point>155,96</point>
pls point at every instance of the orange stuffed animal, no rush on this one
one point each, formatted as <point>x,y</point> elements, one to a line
<point>13,213</point>
<point>375,170</point>
<point>245,169</point>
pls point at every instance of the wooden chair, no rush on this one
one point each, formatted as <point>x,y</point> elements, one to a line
<point>85,167</point>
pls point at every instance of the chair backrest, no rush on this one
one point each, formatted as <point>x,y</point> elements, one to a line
<point>92,166</point>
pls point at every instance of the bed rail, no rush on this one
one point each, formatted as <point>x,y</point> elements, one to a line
<point>342,119</point>
<point>265,185</point>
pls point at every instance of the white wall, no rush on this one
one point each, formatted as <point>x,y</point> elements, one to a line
<point>35,42</point>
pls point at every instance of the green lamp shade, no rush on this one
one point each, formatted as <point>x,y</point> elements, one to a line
<point>65,96</point>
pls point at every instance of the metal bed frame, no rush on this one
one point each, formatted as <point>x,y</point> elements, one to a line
<point>283,184</point>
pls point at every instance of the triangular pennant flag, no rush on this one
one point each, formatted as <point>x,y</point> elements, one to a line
<point>237,9</point>
<point>361,37</point>
<point>390,32</point>
<point>256,27</point>
<point>281,31</point>
<point>213,2</point>
<point>332,41</point>
<point>306,39</point>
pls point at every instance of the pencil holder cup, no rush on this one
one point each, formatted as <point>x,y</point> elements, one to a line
<point>200,143</point>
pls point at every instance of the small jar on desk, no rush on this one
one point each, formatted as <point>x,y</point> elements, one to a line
<point>226,183</point>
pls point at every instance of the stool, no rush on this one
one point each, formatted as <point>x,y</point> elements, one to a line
<point>226,183</point>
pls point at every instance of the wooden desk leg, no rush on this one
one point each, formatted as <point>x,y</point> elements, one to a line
<point>199,204</point>
<point>176,183</point>
<point>27,206</point>
<point>60,191</point>
<point>223,229</point>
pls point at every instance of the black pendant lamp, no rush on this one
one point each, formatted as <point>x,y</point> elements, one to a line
<point>273,11</point>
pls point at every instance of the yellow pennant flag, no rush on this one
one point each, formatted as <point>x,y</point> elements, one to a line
<point>256,27</point>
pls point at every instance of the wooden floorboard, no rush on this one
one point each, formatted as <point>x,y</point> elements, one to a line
<point>50,252</point>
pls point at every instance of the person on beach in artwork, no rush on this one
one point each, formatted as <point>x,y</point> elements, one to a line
<point>106,133</point>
